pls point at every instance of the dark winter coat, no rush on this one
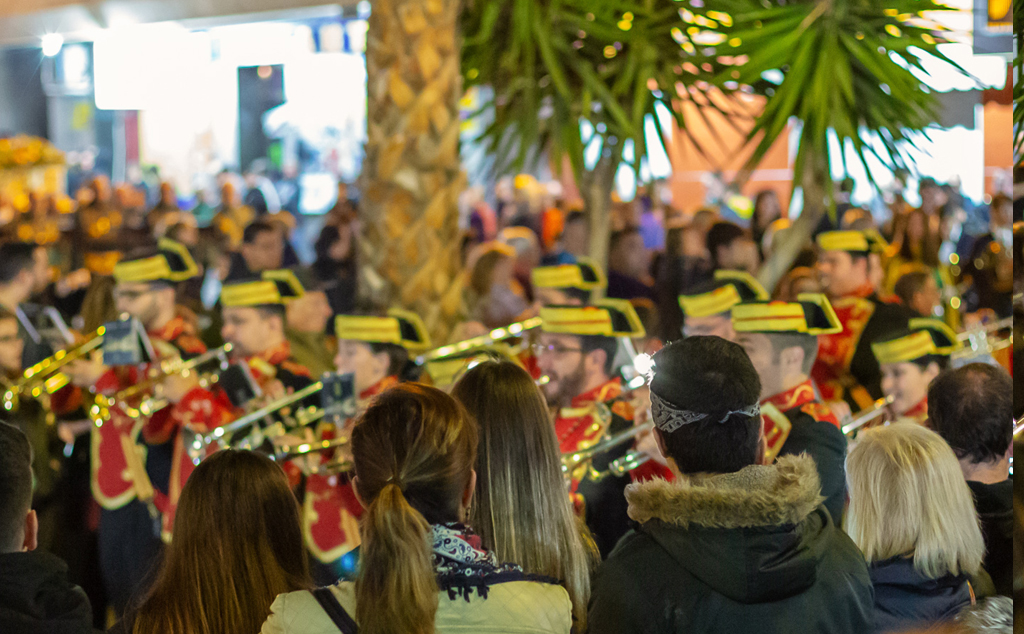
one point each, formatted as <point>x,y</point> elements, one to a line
<point>994,503</point>
<point>36,597</point>
<point>906,599</point>
<point>752,551</point>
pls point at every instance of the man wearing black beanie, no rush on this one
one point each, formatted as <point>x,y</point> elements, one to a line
<point>732,544</point>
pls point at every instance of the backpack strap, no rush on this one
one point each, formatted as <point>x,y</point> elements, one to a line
<point>333,608</point>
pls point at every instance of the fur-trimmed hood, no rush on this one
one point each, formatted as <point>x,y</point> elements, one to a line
<point>755,536</point>
<point>783,493</point>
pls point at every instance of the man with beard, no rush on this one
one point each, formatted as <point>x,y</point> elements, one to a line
<point>576,355</point>
<point>846,369</point>
<point>706,309</point>
<point>131,485</point>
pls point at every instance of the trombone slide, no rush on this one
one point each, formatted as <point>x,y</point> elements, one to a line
<point>868,415</point>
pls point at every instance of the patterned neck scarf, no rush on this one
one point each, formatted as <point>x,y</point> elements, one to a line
<point>462,563</point>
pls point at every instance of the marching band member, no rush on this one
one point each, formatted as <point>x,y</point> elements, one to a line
<point>846,370</point>
<point>909,363</point>
<point>576,351</point>
<point>375,351</point>
<point>706,310</point>
<point>781,339</point>
<point>567,284</point>
<point>254,323</point>
<point>131,482</point>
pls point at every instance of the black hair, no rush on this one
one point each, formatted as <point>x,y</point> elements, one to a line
<point>254,229</point>
<point>577,294</point>
<point>575,216</point>
<point>590,343</point>
<point>712,376</point>
<point>619,236</point>
<point>15,257</point>
<point>15,483</point>
<point>722,234</point>
<point>786,340</point>
<point>398,356</point>
<point>271,310</point>
<point>972,409</point>
<point>910,284</point>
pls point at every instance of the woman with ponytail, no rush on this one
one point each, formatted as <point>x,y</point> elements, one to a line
<point>421,570</point>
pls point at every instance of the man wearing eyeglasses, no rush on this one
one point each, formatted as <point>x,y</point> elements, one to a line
<point>130,497</point>
<point>576,355</point>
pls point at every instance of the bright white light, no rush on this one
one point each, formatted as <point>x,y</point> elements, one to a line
<point>644,364</point>
<point>52,43</point>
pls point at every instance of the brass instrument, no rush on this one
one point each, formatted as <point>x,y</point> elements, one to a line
<point>1018,426</point>
<point>335,465</point>
<point>304,417</point>
<point>572,460</point>
<point>47,376</point>
<point>151,403</point>
<point>620,466</point>
<point>866,416</point>
<point>288,452</point>
<point>980,342</point>
<point>498,334</point>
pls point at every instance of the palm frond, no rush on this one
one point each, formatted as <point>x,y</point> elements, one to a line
<point>848,67</point>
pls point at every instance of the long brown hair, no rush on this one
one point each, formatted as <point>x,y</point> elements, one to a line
<point>521,508</point>
<point>414,451</point>
<point>237,545</point>
<point>926,249</point>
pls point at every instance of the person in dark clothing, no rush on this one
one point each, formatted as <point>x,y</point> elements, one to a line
<point>335,266</point>
<point>732,545</point>
<point>990,264</point>
<point>629,266</point>
<point>35,594</point>
<point>732,248</point>
<point>969,408</point>
<point>23,272</point>
<point>781,339</point>
<point>911,515</point>
<point>676,274</point>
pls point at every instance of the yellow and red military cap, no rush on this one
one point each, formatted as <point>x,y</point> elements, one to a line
<point>811,314</point>
<point>719,296</point>
<point>399,327</point>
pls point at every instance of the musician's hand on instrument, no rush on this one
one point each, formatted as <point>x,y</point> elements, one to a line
<point>274,390</point>
<point>69,430</point>
<point>76,280</point>
<point>85,372</point>
<point>648,444</point>
<point>841,410</point>
<point>176,386</point>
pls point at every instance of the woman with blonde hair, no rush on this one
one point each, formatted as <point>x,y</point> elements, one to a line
<point>522,509</point>
<point>912,515</point>
<point>237,545</point>
<point>421,570</point>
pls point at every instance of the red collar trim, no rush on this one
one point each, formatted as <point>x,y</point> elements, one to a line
<point>378,387</point>
<point>276,355</point>
<point>918,411</point>
<point>170,331</point>
<point>796,397</point>
<point>600,394</point>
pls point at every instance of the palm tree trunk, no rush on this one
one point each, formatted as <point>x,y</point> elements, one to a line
<point>598,185</point>
<point>813,180</point>
<point>410,254</point>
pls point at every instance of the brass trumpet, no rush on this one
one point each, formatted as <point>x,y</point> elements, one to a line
<point>572,460</point>
<point>866,416</point>
<point>47,375</point>
<point>308,415</point>
<point>152,403</point>
<point>498,334</point>
<point>620,466</point>
<point>289,452</point>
